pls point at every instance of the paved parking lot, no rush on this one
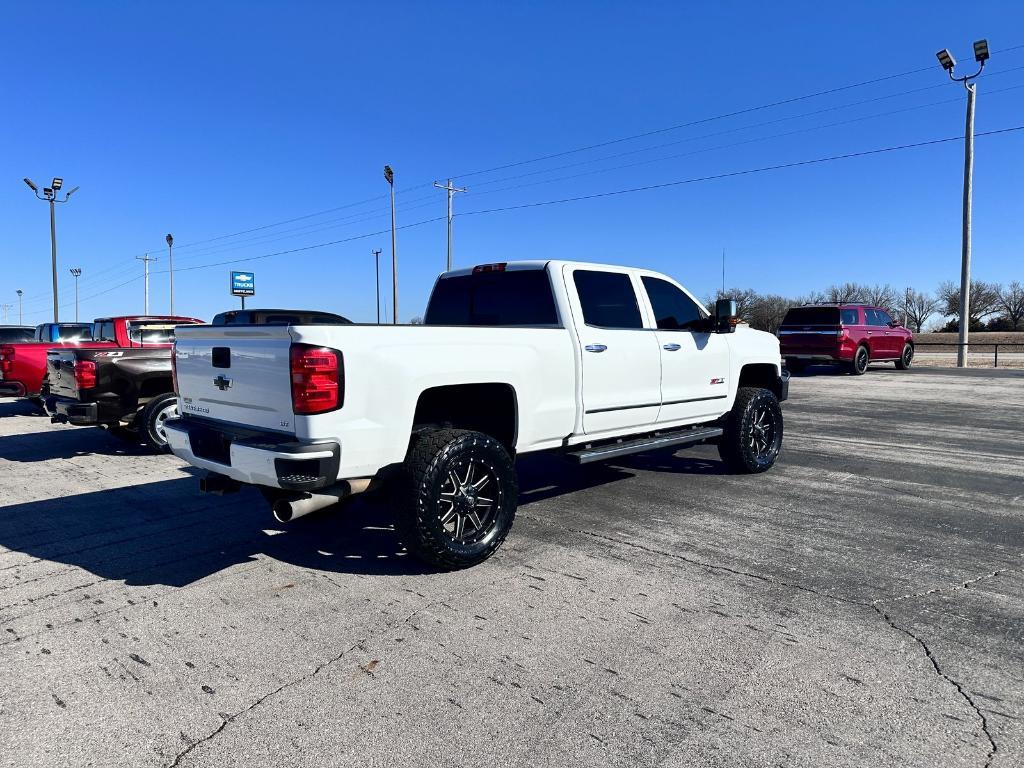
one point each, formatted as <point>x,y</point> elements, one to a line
<point>861,604</point>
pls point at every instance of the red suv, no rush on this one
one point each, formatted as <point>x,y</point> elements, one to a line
<point>849,334</point>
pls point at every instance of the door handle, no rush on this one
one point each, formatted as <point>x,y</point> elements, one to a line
<point>671,347</point>
<point>595,347</point>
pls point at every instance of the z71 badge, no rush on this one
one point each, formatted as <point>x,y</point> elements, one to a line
<point>718,381</point>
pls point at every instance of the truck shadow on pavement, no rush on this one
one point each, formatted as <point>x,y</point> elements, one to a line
<point>20,408</point>
<point>66,443</point>
<point>168,533</point>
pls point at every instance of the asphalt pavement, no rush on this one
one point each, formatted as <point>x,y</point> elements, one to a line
<point>861,604</point>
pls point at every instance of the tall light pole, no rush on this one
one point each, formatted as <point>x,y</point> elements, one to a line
<point>145,260</point>
<point>451,193</point>
<point>170,266</point>
<point>19,292</point>
<point>389,175</point>
<point>50,196</point>
<point>948,63</point>
<point>376,266</point>
<point>76,272</point>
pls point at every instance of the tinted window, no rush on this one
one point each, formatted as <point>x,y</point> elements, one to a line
<point>876,317</point>
<point>812,316</point>
<point>105,332</point>
<point>73,333</point>
<point>673,309</point>
<point>15,335</point>
<point>883,317</point>
<point>150,333</point>
<point>607,299</point>
<point>518,297</point>
<point>850,316</point>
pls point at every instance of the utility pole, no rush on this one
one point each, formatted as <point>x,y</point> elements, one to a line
<point>981,55</point>
<point>145,260</point>
<point>76,272</point>
<point>451,193</point>
<point>50,196</point>
<point>376,266</point>
<point>170,266</point>
<point>19,292</point>
<point>389,175</point>
<point>723,271</point>
<point>6,308</point>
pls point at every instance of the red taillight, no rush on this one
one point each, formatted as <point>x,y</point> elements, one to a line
<point>6,359</point>
<point>85,374</point>
<point>317,379</point>
<point>174,369</point>
<point>482,268</point>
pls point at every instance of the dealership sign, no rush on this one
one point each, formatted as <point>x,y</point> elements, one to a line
<point>243,284</point>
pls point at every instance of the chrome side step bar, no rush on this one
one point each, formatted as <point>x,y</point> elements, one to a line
<point>624,448</point>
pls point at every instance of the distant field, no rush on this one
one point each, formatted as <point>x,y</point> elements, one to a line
<point>979,356</point>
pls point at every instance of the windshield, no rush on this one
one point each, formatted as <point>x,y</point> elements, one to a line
<point>812,316</point>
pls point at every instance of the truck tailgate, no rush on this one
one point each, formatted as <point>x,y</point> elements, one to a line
<point>239,375</point>
<point>60,370</point>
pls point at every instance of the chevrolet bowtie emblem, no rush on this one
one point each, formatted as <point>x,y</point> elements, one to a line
<point>222,382</point>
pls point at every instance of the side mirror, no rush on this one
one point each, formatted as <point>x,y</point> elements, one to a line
<point>725,316</point>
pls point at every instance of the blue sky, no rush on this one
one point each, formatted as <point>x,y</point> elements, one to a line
<point>207,120</point>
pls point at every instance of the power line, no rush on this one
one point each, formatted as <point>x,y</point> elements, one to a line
<point>746,172</point>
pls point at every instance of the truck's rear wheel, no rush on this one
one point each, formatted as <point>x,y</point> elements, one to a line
<point>456,497</point>
<point>752,436</point>
<point>152,419</point>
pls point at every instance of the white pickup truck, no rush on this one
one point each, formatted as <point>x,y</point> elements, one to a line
<point>588,360</point>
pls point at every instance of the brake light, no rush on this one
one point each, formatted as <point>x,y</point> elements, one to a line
<point>85,374</point>
<point>317,379</point>
<point>489,268</point>
<point>174,369</point>
<point>6,359</point>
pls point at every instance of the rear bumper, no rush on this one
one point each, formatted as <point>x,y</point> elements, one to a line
<point>12,389</point>
<point>73,412</point>
<point>257,458</point>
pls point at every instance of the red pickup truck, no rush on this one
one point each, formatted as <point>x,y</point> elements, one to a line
<point>23,366</point>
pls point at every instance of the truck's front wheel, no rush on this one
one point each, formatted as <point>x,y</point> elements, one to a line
<point>752,436</point>
<point>456,497</point>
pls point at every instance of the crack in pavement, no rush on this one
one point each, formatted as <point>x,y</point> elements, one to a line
<point>938,670</point>
<point>874,605</point>
<point>283,687</point>
<point>951,588</point>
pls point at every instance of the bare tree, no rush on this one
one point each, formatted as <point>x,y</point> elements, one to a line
<point>843,294</point>
<point>984,299</point>
<point>918,307</point>
<point>767,313</point>
<point>878,295</point>
<point>1011,303</point>
<point>745,299</point>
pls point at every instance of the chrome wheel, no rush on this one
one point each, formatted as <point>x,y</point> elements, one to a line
<point>169,411</point>
<point>762,432</point>
<point>470,496</point>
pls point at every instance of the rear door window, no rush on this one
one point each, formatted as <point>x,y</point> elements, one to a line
<point>607,299</point>
<point>673,309</point>
<point>105,332</point>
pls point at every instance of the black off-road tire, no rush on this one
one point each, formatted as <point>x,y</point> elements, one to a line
<point>906,358</point>
<point>859,365</point>
<point>437,458</point>
<point>149,422</point>
<point>740,444</point>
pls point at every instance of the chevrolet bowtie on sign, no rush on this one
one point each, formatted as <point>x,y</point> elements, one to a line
<point>243,284</point>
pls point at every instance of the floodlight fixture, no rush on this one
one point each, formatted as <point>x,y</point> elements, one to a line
<point>981,51</point>
<point>389,174</point>
<point>69,194</point>
<point>31,186</point>
<point>57,183</point>
<point>946,59</point>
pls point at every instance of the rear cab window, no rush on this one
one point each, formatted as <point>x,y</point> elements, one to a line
<point>496,297</point>
<point>150,332</point>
